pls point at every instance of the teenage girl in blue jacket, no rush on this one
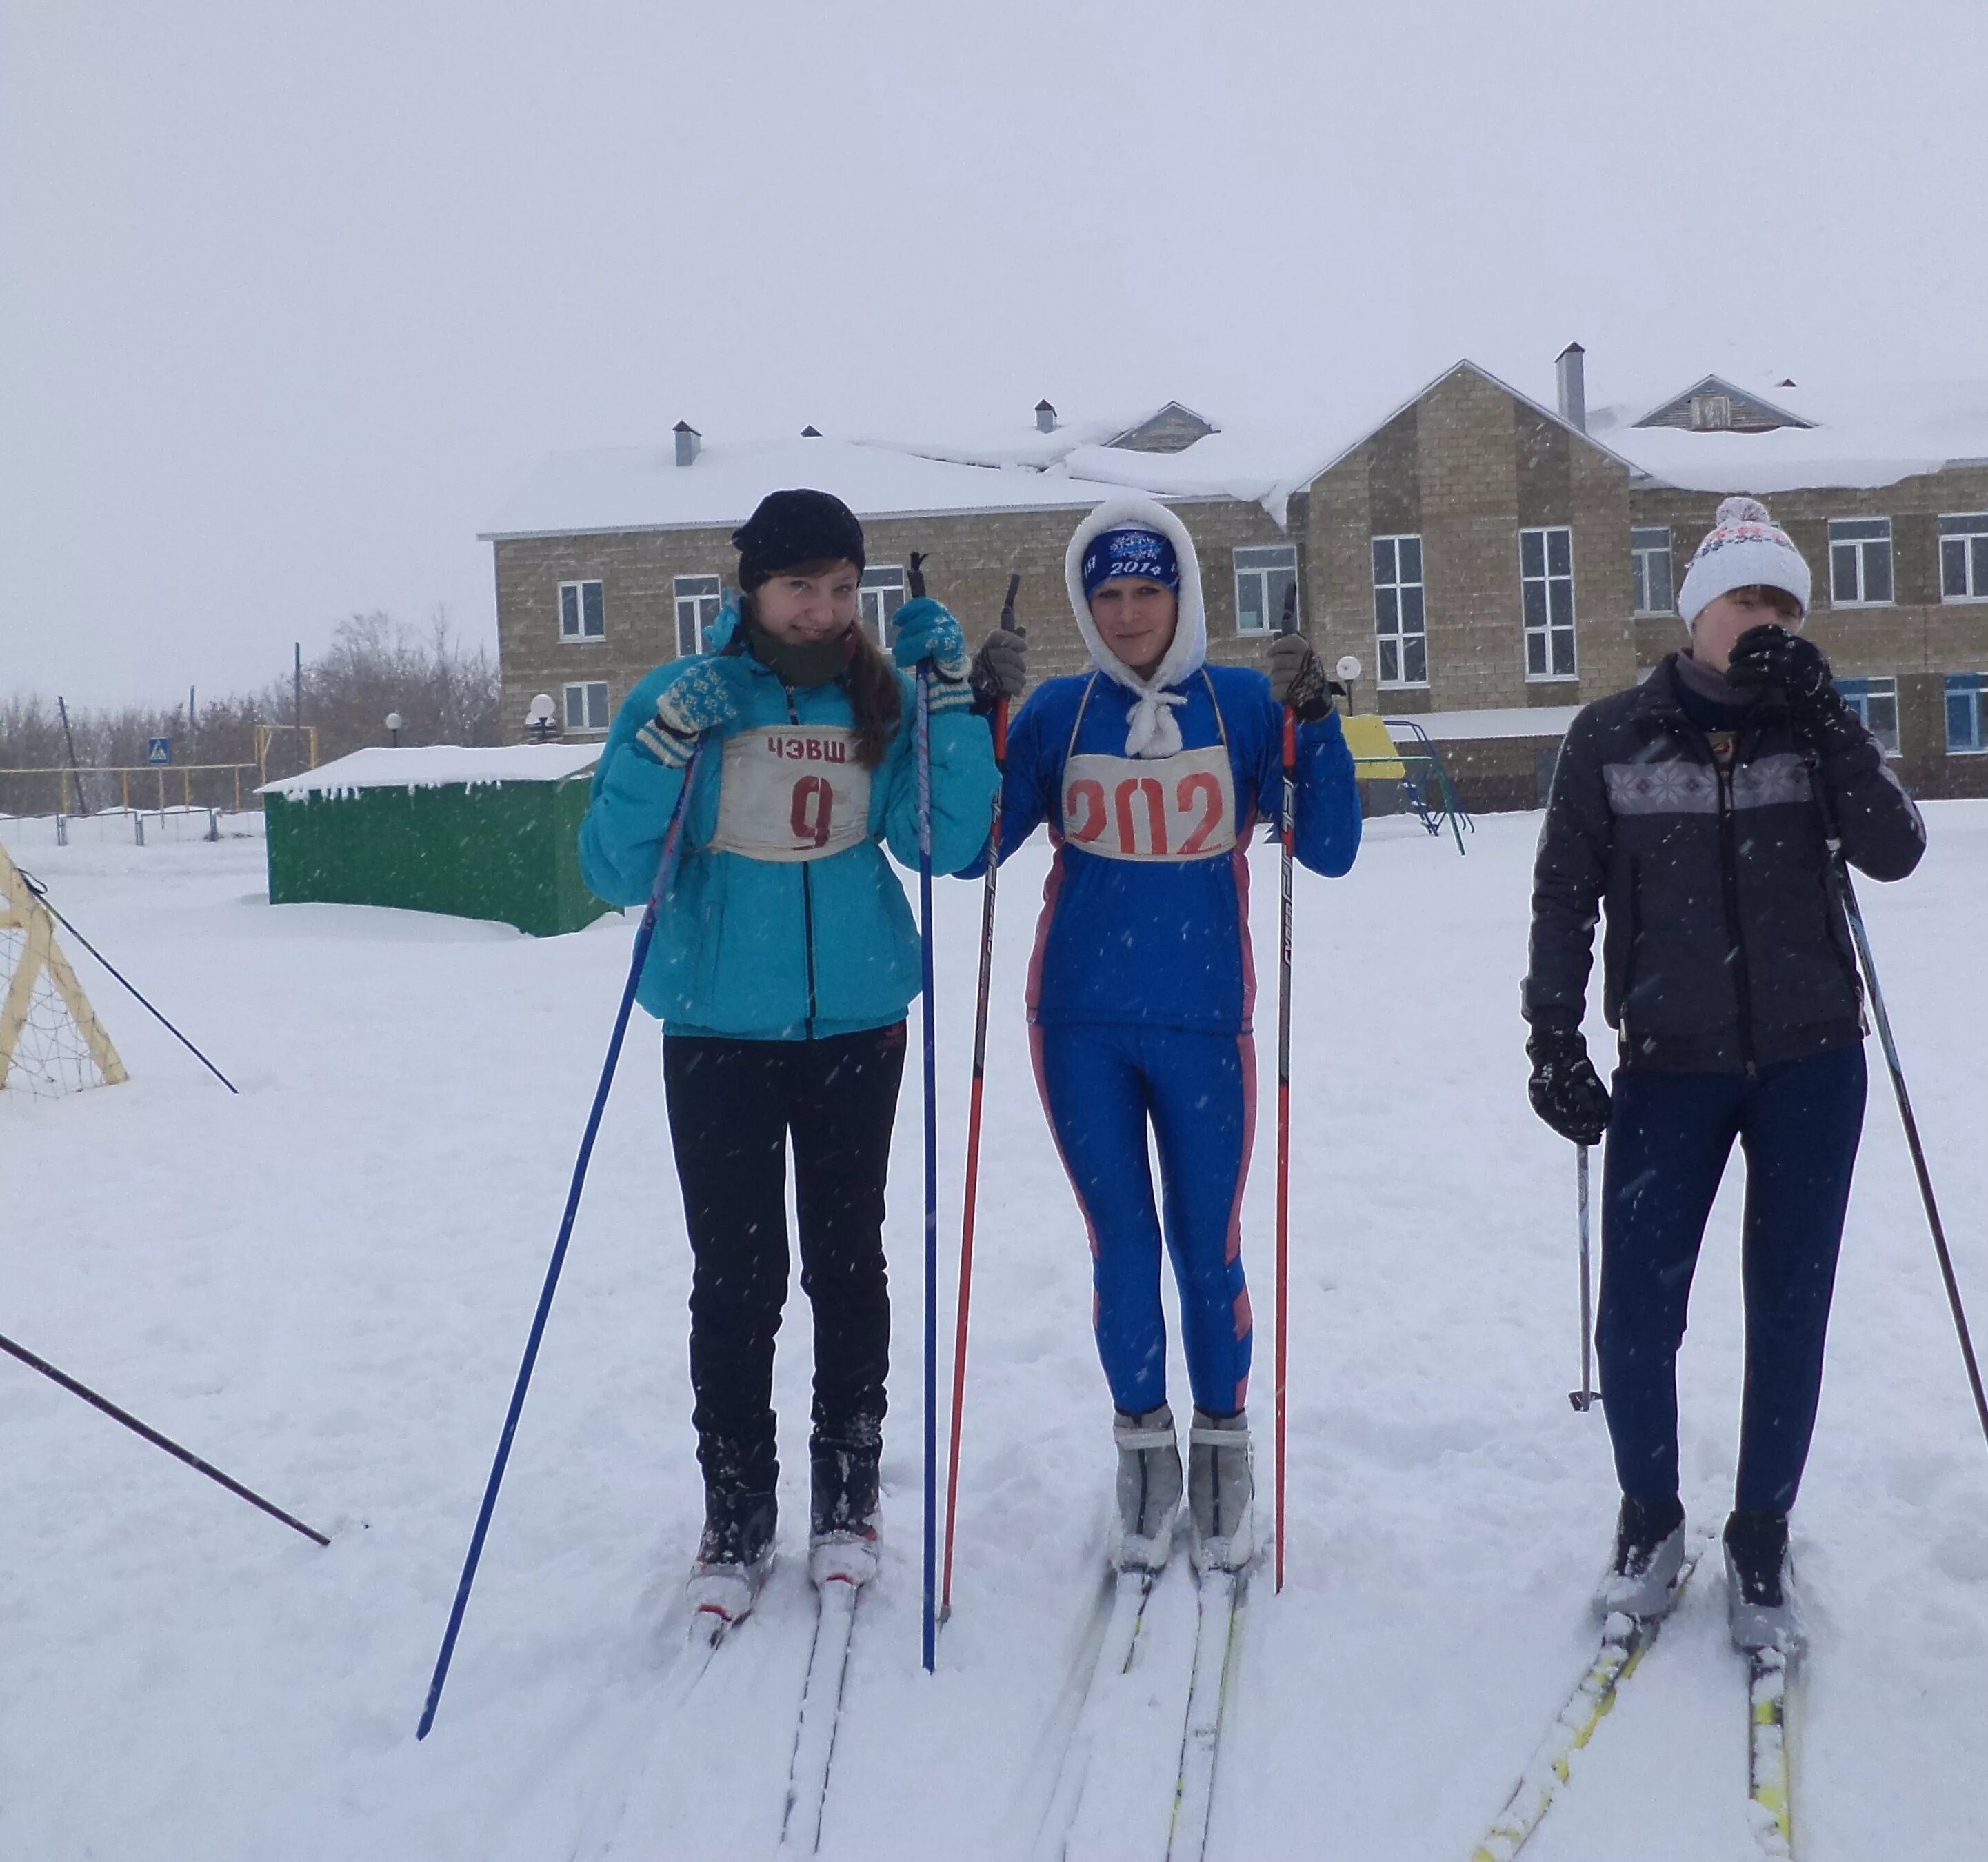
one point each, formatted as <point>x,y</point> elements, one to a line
<point>784,961</point>
<point>1152,771</point>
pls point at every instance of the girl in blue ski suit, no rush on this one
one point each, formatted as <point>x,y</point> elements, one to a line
<point>784,959</point>
<point>1151,778</point>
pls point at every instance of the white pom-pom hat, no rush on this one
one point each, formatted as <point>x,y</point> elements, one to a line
<point>1744,548</point>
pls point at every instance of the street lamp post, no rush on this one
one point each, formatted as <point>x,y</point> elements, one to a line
<point>394,722</point>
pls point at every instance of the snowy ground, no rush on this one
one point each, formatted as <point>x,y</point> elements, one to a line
<point>323,1285</point>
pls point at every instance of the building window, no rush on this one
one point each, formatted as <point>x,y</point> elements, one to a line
<point>1876,702</point>
<point>698,598</point>
<point>1963,558</point>
<point>1546,587</point>
<point>1401,623</point>
<point>1650,556</point>
<point>1964,709</point>
<point>583,611</point>
<point>882,593</point>
<point>587,705</point>
<point>1263,577</point>
<point>1860,562</point>
<point>1711,413</point>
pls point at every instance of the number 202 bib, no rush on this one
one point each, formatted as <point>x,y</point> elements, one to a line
<point>1177,807</point>
<point>792,792</point>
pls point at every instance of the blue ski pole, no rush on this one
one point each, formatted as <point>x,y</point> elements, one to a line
<point>645,935</point>
<point>931,1601</point>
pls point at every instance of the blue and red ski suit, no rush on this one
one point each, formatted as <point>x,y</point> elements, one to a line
<point>1143,985</point>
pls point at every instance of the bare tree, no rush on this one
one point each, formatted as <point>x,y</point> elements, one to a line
<point>444,692</point>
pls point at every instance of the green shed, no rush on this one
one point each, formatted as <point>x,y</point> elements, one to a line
<point>478,833</point>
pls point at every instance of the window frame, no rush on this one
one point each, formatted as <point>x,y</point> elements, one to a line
<point>1858,693</point>
<point>585,687</point>
<point>1401,636</point>
<point>878,622</point>
<point>710,588</point>
<point>1638,569</point>
<point>1860,545</point>
<point>1972,687</point>
<point>1271,609</point>
<point>1973,542</point>
<point>580,636</point>
<point>1547,578</point>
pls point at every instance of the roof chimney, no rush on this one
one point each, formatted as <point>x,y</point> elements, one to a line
<point>688,441</point>
<point>1573,386</point>
<point>1045,422</point>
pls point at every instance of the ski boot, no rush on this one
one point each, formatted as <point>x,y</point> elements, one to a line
<point>844,1483</point>
<point>732,1557</point>
<point>1649,1553</point>
<point>1220,1489</point>
<point>1759,1602</point>
<point>1149,1490</point>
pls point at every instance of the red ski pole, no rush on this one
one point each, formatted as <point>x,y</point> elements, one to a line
<point>973,1125</point>
<point>1285,834</point>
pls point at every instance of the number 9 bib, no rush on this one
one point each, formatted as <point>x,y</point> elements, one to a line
<point>1178,807</point>
<point>793,792</point>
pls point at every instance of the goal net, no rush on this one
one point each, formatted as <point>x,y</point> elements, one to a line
<point>51,1042</point>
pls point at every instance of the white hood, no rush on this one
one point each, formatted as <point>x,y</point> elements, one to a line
<point>1153,732</point>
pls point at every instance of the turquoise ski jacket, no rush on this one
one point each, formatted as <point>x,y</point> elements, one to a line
<point>781,950</point>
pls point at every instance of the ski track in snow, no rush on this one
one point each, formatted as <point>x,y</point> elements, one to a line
<point>323,1287</point>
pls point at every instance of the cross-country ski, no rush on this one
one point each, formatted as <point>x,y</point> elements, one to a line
<point>1625,1640</point>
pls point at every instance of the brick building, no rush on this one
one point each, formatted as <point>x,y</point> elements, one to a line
<point>1494,563</point>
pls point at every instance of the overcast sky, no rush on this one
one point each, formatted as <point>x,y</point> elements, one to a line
<point>290,295</point>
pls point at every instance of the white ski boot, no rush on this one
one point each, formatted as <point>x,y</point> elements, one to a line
<point>1760,1607</point>
<point>733,1558</point>
<point>1649,1553</point>
<point>1221,1489</point>
<point>1149,1490</point>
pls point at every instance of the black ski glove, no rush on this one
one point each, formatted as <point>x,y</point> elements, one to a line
<point>1566,1091</point>
<point>1000,669</point>
<point>1780,661</point>
<point>1297,678</point>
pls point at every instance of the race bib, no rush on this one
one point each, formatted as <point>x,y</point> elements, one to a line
<point>1178,807</point>
<point>793,792</point>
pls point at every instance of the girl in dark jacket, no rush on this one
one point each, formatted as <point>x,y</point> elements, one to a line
<point>1699,813</point>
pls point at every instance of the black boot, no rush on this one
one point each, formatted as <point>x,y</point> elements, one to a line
<point>1649,1553</point>
<point>1760,1609</point>
<point>733,1554</point>
<point>844,1493</point>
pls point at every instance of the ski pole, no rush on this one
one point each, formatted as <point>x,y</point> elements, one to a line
<point>973,1123</point>
<point>929,1613</point>
<point>152,1435</point>
<point>1584,1398</point>
<point>1897,1071</point>
<point>42,892</point>
<point>645,935</point>
<point>1286,836</point>
<point>931,1625</point>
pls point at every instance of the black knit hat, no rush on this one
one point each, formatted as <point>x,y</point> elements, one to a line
<point>793,527</point>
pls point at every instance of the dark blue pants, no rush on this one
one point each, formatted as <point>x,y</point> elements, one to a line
<point>1669,1137</point>
<point>1104,1087</point>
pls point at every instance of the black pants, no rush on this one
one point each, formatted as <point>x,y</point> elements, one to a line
<point>733,1106</point>
<point>1669,1139</point>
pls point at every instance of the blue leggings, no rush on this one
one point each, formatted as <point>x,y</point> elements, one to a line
<point>1669,1137</point>
<point>1101,1086</point>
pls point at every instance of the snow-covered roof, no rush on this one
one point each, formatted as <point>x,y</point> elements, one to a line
<point>1862,437</point>
<point>643,488</point>
<point>438,766</point>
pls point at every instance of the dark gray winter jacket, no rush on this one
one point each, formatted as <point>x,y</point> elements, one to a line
<point>1726,946</point>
